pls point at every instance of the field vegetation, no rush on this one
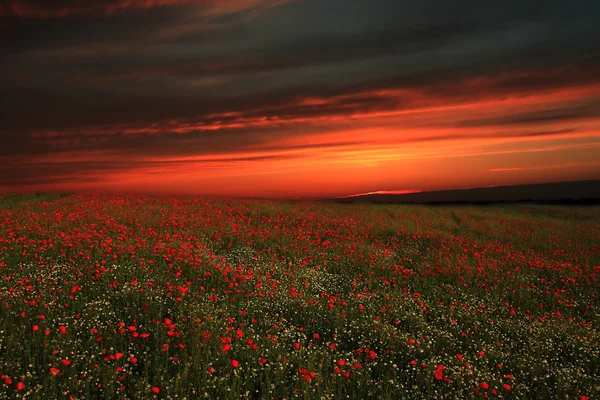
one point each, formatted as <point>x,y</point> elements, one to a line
<point>181,298</point>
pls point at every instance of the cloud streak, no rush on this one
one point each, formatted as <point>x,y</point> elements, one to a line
<point>56,9</point>
<point>293,97</point>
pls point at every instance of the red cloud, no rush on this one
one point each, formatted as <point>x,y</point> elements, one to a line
<point>36,9</point>
<point>61,9</point>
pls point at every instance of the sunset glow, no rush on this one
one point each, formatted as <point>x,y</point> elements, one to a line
<point>295,98</point>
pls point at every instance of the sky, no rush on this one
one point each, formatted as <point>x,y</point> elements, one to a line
<point>297,98</point>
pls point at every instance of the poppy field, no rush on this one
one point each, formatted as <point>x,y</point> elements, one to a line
<point>147,297</point>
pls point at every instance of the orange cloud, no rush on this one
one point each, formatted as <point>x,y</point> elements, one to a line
<point>405,139</point>
<point>558,166</point>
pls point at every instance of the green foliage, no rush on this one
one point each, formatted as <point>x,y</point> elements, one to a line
<point>123,295</point>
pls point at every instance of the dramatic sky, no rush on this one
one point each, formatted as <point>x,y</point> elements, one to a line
<point>297,98</point>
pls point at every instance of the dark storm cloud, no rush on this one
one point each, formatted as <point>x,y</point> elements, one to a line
<point>113,75</point>
<point>25,110</point>
<point>56,9</point>
<point>561,114</point>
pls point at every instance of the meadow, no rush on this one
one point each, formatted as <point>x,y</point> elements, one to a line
<point>141,297</point>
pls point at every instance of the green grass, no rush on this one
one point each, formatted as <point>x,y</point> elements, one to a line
<point>495,295</point>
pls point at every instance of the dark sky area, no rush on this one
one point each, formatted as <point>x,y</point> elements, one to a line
<point>297,98</point>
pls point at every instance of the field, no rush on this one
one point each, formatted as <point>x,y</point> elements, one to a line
<point>155,297</point>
